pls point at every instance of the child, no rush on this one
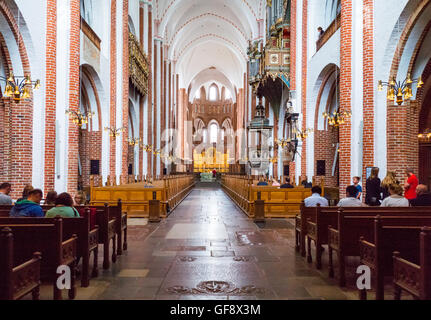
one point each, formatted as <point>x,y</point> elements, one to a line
<point>356,181</point>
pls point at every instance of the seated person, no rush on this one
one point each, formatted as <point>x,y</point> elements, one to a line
<point>262,182</point>
<point>396,198</point>
<point>80,198</point>
<point>316,198</point>
<point>50,198</point>
<point>63,207</point>
<point>5,189</point>
<point>423,198</point>
<point>25,192</point>
<point>287,185</point>
<point>29,207</point>
<point>275,183</point>
<point>351,200</point>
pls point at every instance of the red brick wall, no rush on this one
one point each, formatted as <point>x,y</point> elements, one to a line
<point>150,90</point>
<point>74,80</point>
<point>368,85</point>
<point>325,143</point>
<point>345,92</point>
<point>125,107</point>
<point>113,85</point>
<point>50,94</point>
<point>304,84</point>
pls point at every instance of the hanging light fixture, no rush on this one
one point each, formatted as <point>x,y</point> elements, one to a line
<point>400,91</point>
<point>337,119</point>
<point>425,137</point>
<point>114,132</point>
<point>134,141</point>
<point>80,118</point>
<point>18,87</point>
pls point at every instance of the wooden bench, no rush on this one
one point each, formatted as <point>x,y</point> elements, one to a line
<point>117,213</point>
<point>87,239</point>
<point>16,282</point>
<point>47,239</point>
<point>400,234</point>
<point>354,223</point>
<point>411,277</point>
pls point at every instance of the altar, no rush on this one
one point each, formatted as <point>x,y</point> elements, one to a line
<point>207,177</point>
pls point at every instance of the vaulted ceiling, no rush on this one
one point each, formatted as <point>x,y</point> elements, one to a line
<point>203,35</point>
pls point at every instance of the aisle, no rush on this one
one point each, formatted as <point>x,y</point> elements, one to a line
<point>208,249</point>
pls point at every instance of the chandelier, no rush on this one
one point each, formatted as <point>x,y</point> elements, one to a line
<point>114,132</point>
<point>147,147</point>
<point>398,91</point>
<point>19,87</point>
<point>337,118</point>
<point>134,141</point>
<point>301,135</point>
<point>79,118</point>
<point>283,143</point>
<point>425,136</point>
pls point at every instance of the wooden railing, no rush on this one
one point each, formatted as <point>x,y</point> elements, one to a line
<point>329,32</point>
<point>136,197</point>
<point>279,203</point>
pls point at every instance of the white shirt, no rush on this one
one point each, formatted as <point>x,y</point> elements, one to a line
<point>395,201</point>
<point>350,202</point>
<point>316,199</point>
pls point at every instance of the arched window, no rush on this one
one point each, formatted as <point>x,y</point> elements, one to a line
<point>213,93</point>
<point>213,133</point>
<point>227,94</point>
<point>198,94</point>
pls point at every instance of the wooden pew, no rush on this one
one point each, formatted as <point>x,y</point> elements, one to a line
<point>16,282</point>
<point>115,212</point>
<point>411,277</point>
<point>317,231</point>
<point>47,239</point>
<point>356,223</point>
<point>87,239</point>
<point>400,234</point>
<point>5,209</point>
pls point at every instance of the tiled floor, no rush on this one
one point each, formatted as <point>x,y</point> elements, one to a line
<point>208,249</point>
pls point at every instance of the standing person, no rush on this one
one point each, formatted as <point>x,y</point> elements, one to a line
<point>356,181</point>
<point>5,189</point>
<point>423,197</point>
<point>29,207</point>
<point>50,198</point>
<point>373,195</point>
<point>351,200</point>
<point>316,198</point>
<point>320,31</point>
<point>63,207</point>
<point>410,185</point>
<point>389,180</point>
<point>25,192</point>
<point>396,198</point>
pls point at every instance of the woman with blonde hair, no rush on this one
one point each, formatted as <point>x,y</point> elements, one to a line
<point>389,180</point>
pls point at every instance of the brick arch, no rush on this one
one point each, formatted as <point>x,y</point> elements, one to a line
<point>16,166</point>
<point>13,25</point>
<point>325,140</point>
<point>403,121</point>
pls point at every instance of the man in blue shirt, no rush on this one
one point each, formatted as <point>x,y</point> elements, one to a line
<point>356,181</point>
<point>316,198</point>
<point>29,207</point>
<point>262,182</point>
